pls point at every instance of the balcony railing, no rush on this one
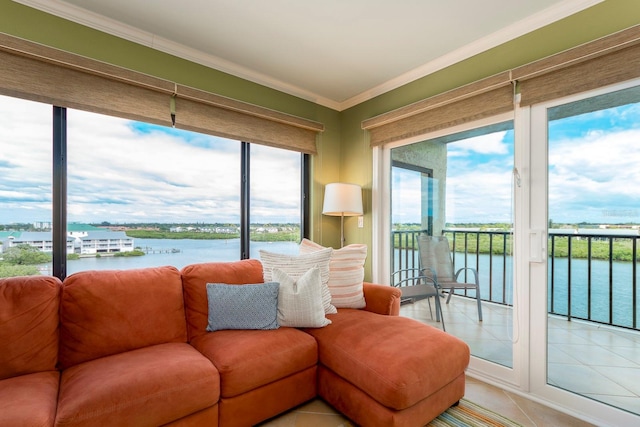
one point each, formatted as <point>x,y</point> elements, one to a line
<point>591,277</point>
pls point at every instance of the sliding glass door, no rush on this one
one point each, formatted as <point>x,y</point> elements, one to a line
<point>584,276</point>
<point>460,186</point>
<point>547,208</point>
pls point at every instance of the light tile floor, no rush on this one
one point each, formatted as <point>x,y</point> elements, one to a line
<point>600,362</point>
<point>597,361</point>
<point>490,339</point>
<point>317,413</point>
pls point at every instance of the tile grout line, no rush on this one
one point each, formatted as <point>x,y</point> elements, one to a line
<point>533,423</point>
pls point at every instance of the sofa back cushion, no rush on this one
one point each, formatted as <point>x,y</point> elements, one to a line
<point>112,311</point>
<point>194,281</point>
<point>28,325</point>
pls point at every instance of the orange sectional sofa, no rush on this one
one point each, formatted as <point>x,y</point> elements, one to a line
<point>131,348</point>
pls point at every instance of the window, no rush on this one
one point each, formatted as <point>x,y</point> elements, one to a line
<point>275,200</point>
<point>412,184</point>
<point>25,187</point>
<point>141,195</point>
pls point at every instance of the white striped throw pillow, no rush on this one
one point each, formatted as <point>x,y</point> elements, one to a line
<point>346,273</point>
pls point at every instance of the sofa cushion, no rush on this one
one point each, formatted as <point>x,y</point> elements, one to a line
<point>249,359</point>
<point>145,387</point>
<point>194,281</point>
<point>28,324</point>
<point>300,301</point>
<point>242,306</point>
<point>346,273</point>
<point>270,400</point>
<point>108,312</point>
<point>296,266</point>
<point>29,400</point>
<point>396,360</point>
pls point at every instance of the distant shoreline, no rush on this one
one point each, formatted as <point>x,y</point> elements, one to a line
<point>277,236</point>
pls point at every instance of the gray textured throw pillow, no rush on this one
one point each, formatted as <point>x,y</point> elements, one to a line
<point>252,306</point>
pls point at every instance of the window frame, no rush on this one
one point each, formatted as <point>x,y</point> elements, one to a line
<point>59,196</point>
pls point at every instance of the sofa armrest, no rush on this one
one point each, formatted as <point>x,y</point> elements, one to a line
<point>382,299</point>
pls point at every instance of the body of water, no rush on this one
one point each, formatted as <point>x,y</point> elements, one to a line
<point>595,301</point>
<point>495,275</point>
<point>187,252</point>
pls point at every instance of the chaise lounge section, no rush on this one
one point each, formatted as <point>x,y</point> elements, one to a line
<point>131,348</point>
<point>388,370</point>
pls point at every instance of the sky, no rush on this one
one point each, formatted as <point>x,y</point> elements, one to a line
<point>122,171</point>
<point>479,171</point>
<point>594,173</point>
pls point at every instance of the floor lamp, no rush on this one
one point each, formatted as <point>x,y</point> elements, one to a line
<point>342,200</point>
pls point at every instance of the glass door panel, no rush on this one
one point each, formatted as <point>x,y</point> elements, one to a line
<point>593,328</point>
<point>460,186</point>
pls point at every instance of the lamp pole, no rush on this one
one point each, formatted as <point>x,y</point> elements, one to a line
<point>342,230</point>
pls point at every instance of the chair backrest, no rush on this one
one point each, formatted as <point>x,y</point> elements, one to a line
<point>435,254</point>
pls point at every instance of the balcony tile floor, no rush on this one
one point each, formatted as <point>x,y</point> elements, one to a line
<point>597,361</point>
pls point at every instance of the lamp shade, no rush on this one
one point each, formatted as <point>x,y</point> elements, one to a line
<point>342,199</point>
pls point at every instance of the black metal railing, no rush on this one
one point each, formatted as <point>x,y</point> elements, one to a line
<point>591,277</point>
<point>594,277</point>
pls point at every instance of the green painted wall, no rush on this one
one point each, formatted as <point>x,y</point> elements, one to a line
<point>343,149</point>
<point>37,26</point>
<point>356,160</point>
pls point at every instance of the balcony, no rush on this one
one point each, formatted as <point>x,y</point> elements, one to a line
<point>592,277</point>
<point>593,336</point>
<point>594,360</point>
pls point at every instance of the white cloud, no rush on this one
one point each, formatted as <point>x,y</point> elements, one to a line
<point>594,175</point>
<point>492,143</point>
<point>119,172</point>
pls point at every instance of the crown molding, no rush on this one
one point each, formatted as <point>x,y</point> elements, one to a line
<point>98,22</point>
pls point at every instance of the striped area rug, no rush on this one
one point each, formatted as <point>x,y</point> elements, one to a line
<point>468,414</point>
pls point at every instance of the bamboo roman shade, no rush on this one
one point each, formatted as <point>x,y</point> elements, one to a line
<point>605,61</point>
<point>483,98</point>
<point>48,75</point>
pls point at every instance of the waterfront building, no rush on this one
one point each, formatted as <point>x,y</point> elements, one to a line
<point>78,242</point>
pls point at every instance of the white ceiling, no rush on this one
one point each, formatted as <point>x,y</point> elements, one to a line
<point>336,53</point>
